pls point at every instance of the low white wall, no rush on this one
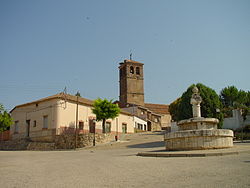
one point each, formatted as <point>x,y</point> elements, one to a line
<point>236,121</point>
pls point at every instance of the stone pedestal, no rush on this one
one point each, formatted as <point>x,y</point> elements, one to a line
<point>198,132</point>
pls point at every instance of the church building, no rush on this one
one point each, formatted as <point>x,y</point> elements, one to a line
<point>131,97</point>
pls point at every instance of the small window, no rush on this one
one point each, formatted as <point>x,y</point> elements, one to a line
<point>34,123</point>
<point>132,70</point>
<point>45,122</point>
<point>137,70</point>
<point>16,128</point>
<point>81,124</point>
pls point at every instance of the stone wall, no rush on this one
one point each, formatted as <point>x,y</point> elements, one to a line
<point>155,126</point>
<point>21,144</point>
<point>60,142</point>
<point>83,140</point>
<point>41,146</point>
<point>26,144</point>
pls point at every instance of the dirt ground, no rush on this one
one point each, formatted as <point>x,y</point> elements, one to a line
<point>116,165</point>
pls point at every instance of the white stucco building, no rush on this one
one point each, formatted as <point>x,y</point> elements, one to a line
<point>56,114</point>
<point>236,121</point>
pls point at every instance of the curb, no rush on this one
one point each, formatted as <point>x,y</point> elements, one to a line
<point>150,154</point>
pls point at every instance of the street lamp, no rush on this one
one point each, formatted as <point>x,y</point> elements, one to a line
<point>77,101</point>
<point>116,136</point>
<point>94,122</point>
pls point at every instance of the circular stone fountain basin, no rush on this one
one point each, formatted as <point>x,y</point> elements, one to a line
<point>199,139</point>
<point>198,123</point>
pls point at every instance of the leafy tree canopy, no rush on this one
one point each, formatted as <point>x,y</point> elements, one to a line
<point>1,108</point>
<point>105,109</point>
<point>232,98</point>
<point>174,109</point>
<point>5,119</point>
<point>229,95</point>
<point>210,107</point>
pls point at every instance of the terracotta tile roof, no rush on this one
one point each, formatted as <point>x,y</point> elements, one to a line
<point>158,108</point>
<point>59,96</point>
<point>130,61</point>
<point>68,97</point>
<point>81,100</point>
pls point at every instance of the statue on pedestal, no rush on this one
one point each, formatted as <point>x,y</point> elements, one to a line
<point>196,101</point>
<point>198,132</point>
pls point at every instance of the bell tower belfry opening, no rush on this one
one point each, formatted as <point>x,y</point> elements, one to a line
<point>131,83</point>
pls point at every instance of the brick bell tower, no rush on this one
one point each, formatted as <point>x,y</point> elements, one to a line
<point>131,83</point>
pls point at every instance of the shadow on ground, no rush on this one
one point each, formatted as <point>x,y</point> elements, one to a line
<point>240,142</point>
<point>148,145</point>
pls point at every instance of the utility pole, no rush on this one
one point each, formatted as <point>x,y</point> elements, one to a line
<point>116,136</point>
<point>77,98</point>
<point>94,124</point>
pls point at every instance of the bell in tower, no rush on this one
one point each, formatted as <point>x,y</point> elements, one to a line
<point>131,83</point>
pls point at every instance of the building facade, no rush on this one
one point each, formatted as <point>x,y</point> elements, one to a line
<point>41,120</point>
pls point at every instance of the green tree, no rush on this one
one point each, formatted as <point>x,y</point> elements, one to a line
<point>210,107</point>
<point>174,109</point>
<point>5,119</point>
<point>232,98</point>
<point>228,96</point>
<point>248,99</point>
<point>105,109</point>
<point>1,108</point>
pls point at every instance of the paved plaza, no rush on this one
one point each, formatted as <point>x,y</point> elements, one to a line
<point>116,165</point>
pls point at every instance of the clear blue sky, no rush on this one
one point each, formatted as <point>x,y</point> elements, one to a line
<point>49,44</point>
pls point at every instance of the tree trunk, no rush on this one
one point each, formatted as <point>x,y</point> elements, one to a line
<point>103,125</point>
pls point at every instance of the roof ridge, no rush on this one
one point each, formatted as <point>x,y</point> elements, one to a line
<point>69,97</point>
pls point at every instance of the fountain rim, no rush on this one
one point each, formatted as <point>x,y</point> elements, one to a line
<point>197,120</point>
<point>199,133</point>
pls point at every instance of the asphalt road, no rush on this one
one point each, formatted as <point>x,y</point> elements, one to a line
<point>116,165</point>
